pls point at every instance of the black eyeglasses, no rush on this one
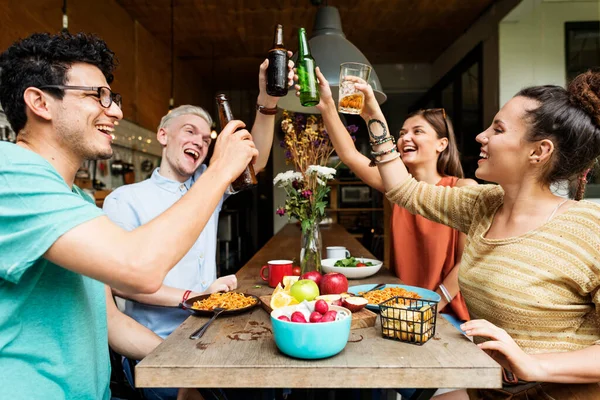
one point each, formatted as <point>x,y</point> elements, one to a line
<point>105,96</point>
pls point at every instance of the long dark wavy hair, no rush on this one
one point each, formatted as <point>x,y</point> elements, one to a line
<point>448,163</point>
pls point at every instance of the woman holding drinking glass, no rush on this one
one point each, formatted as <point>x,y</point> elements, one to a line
<point>530,272</point>
<point>424,253</point>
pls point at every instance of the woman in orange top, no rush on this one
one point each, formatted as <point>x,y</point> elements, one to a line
<point>425,253</point>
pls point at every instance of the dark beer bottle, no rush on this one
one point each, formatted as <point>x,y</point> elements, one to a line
<point>277,69</point>
<point>309,90</point>
<point>248,178</point>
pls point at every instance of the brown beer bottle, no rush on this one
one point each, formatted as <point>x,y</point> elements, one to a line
<point>277,69</point>
<point>248,178</point>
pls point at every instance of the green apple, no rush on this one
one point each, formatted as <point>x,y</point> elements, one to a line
<point>304,289</point>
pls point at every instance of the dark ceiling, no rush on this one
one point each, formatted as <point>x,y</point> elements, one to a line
<point>231,32</point>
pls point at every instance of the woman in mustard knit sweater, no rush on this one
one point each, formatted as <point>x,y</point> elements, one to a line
<point>530,271</point>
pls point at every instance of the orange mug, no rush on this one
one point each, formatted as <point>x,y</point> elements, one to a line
<point>277,269</point>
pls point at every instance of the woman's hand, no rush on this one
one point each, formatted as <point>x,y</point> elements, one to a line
<point>505,350</point>
<point>324,91</point>
<point>371,108</point>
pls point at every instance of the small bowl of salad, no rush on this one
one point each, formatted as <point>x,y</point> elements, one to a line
<point>352,267</point>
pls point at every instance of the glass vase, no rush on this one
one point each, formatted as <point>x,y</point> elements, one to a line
<point>311,248</point>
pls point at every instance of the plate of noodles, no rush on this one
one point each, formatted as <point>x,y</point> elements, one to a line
<point>377,297</point>
<point>232,302</point>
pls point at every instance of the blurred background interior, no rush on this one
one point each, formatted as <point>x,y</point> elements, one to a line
<point>468,56</point>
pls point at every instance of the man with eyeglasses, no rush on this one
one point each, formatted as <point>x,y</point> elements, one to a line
<point>56,245</point>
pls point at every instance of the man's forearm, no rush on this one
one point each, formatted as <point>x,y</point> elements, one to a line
<point>139,260</point>
<point>125,335</point>
<point>262,135</point>
<point>166,296</point>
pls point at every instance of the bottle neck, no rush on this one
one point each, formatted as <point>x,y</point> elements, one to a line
<point>303,49</point>
<point>278,38</point>
<point>225,114</point>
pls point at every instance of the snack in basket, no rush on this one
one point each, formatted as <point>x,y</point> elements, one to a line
<point>404,323</point>
<point>228,301</point>
<point>379,296</point>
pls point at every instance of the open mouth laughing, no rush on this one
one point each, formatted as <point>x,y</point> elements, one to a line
<point>482,156</point>
<point>106,129</point>
<point>192,154</point>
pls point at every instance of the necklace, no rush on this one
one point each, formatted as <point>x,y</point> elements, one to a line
<point>556,209</point>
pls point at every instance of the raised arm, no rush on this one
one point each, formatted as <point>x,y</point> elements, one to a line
<point>264,125</point>
<point>342,141</point>
<point>138,261</point>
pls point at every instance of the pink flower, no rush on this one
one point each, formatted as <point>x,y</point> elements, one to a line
<point>306,193</point>
<point>280,211</point>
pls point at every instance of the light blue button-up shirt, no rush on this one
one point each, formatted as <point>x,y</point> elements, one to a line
<point>133,205</point>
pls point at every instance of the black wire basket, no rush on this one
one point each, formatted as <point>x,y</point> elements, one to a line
<point>408,320</point>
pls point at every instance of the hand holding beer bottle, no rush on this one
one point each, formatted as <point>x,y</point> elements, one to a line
<point>277,71</point>
<point>234,150</point>
<point>309,90</point>
<point>247,179</point>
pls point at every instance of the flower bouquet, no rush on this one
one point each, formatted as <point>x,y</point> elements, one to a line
<point>308,148</point>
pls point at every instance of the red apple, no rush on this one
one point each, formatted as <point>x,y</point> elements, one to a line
<point>354,304</point>
<point>333,283</point>
<point>313,276</point>
<point>333,299</point>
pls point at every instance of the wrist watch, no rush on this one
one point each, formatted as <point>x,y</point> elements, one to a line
<point>266,110</point>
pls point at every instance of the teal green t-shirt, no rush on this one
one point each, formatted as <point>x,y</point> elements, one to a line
<point>53,333</point>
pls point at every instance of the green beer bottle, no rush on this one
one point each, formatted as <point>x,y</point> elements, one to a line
<point>309,90</point>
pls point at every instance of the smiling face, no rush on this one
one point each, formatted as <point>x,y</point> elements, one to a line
<point>82,124</point>
<point>505,154</point>
<point>185,141</point>
<point>419,144</point>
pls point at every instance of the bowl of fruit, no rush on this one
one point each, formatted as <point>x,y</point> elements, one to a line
<point>311,330</point>
<point>352,267</point>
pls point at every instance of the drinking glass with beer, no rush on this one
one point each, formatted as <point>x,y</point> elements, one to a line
<point>351,100</point>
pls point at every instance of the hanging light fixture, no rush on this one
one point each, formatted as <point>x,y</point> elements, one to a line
<point>330,48</point>
<point>65,18</point>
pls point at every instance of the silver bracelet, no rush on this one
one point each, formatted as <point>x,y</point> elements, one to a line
<point>445,292</point>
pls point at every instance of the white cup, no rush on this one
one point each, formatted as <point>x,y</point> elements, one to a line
<point>337,252</point>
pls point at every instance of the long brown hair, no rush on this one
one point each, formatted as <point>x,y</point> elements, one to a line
<point>448,163</point>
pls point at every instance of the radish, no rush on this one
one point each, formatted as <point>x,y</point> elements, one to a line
<point>297,316</point>
<point>321,306</point>
<point>315,317</point>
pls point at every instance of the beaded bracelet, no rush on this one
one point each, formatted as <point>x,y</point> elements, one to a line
<point>383,152</point>
<point>384,140</point>
<point>388,160</point>
<point>374,162</point>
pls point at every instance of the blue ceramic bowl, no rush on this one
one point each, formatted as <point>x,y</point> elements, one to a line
<point>311,340</point>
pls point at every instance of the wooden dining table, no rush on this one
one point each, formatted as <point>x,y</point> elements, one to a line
<point>240,352</point>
